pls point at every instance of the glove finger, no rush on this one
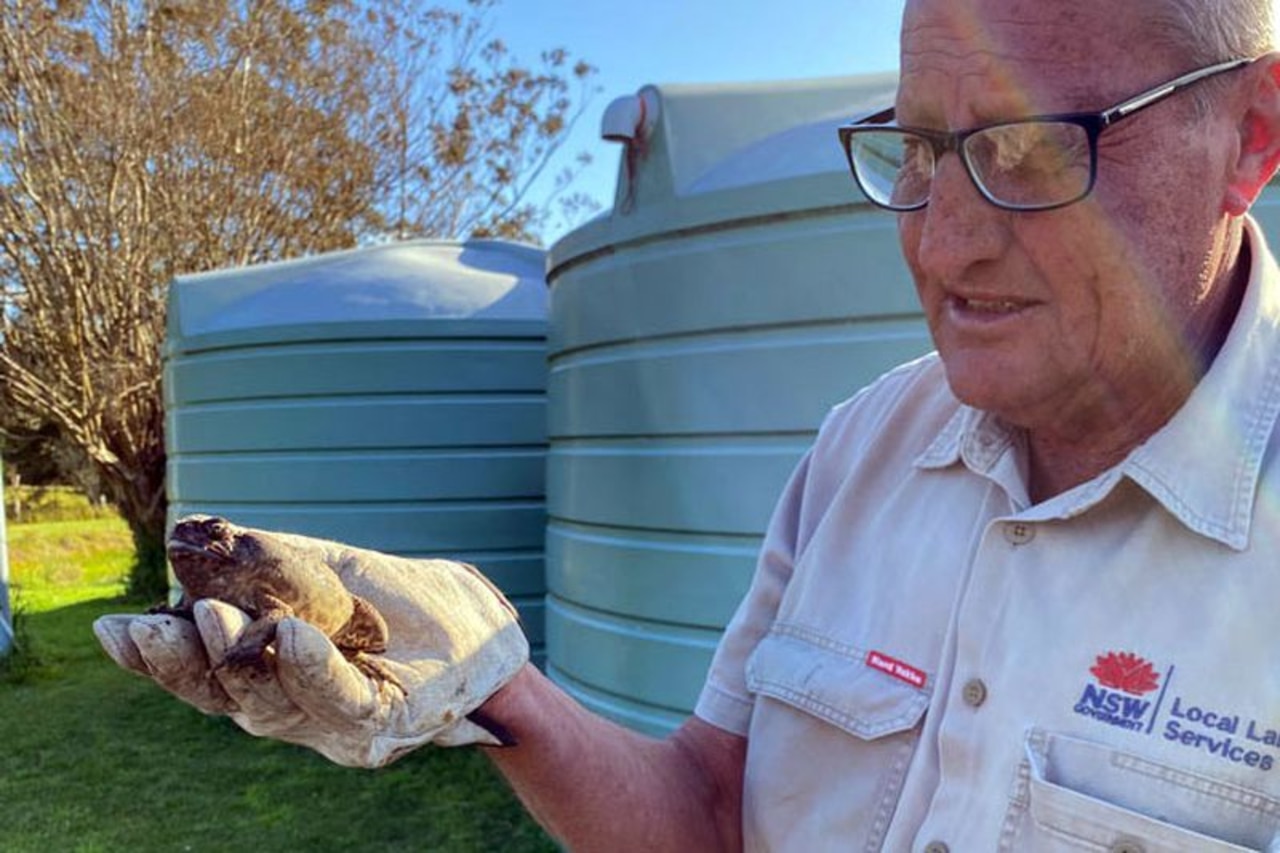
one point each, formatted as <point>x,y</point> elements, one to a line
<point>262,707</point>
<point>220,626</point>
<point>320,680</point>
<point>170,650</point>
<point>112,632</point>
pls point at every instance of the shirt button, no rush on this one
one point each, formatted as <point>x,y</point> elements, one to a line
<point>1019,532</point>
<point>974,692</point>
<point>1126,845</point>
<point>936,847</point>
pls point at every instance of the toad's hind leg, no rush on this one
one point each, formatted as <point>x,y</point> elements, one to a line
<point>374,668</point>
<point>250,649</point>
<point>364,631</point>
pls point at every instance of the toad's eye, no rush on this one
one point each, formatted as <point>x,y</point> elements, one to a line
<point>218,530</point>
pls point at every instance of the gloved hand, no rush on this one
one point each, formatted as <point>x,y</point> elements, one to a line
<point>453,642</point>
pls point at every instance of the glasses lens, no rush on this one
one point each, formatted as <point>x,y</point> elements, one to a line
<point>893,167</point>
<point>1031,164</point>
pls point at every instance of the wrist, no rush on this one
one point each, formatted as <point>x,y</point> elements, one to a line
<point>501,713</point>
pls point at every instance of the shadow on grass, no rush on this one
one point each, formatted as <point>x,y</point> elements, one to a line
<point>96,758</point>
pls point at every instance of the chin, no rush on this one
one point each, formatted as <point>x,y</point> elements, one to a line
<point>991,388</point>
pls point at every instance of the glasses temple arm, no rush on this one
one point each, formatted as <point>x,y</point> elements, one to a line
<point>880,116</point>
<point>1146,99</point>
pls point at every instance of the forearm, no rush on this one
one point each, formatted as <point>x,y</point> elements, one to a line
<point>597,786</point>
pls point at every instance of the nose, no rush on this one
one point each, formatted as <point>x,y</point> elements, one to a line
<point>957,229</point>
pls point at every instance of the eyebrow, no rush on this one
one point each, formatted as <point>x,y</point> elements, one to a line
<point>1018,100</point>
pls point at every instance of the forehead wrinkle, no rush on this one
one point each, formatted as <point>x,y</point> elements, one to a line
<point>1016,67</point>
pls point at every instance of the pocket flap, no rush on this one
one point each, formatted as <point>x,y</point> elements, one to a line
<point>834,683</point>
<point>1098,793</point>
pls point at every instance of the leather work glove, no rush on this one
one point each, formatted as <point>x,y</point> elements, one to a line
<point>453,641</point>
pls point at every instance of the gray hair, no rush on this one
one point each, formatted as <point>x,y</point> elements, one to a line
<point>1209,31</point>
<point>1214,30</point>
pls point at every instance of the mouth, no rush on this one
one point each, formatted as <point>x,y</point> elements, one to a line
<point>178,549</point>
<point>986,309</point>
<point>214,549</point>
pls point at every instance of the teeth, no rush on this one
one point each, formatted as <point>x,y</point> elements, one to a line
<point>992,306</point>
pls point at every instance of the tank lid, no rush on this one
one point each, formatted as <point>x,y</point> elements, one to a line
<point>708,154</point>
<point>486,280</point>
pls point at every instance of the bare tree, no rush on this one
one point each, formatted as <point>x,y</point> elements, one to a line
<point>470,131</point>
<point>141,139</point>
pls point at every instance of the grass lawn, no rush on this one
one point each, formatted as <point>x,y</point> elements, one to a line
<point>96,759</point>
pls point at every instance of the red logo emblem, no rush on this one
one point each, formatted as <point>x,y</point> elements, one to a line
<point>1125,671</point>
<point>896,668</point>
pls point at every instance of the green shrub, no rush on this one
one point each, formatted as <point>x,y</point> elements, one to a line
<point>22,663</point>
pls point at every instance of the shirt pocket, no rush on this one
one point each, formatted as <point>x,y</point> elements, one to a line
<point>831,742</point>
<point>1076,795</point>
<point>833,682</point>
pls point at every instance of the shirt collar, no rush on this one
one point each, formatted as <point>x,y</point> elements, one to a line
<point>1203,466</point>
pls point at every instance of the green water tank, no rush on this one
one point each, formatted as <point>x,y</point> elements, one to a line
<point>391,397</point>
<point>1267,211</point>
<point>699,331</point>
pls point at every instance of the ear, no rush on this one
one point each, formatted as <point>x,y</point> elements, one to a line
<point>1258,156</point>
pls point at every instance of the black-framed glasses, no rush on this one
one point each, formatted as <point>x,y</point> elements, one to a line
<point>1036,163</point>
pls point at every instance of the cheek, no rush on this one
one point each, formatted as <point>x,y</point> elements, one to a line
<point>908,237</point>
<point>1082,280</point>
<point>909,243</point>
<point>1163,238</point>
<point>1109,313</point>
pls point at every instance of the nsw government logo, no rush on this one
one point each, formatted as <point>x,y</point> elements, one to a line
<point>1129,693</point>
<point>1123,691</point>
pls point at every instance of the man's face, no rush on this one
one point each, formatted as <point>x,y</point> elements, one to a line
<point>1054,317</point>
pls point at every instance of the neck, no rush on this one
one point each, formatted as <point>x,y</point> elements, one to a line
<point>1057,465</point>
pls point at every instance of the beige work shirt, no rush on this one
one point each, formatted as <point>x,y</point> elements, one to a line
<point>927,661</point>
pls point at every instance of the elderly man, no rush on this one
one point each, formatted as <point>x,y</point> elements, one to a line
<point>1019,594</point>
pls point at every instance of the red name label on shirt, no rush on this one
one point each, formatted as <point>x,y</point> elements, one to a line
<point>896,668</point>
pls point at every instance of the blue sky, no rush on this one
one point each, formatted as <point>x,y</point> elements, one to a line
<point>695,41</point>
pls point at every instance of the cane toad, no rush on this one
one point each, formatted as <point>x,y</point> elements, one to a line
<point>270,579</point>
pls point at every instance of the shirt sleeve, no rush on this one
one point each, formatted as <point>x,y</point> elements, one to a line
<point>726,702</point>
